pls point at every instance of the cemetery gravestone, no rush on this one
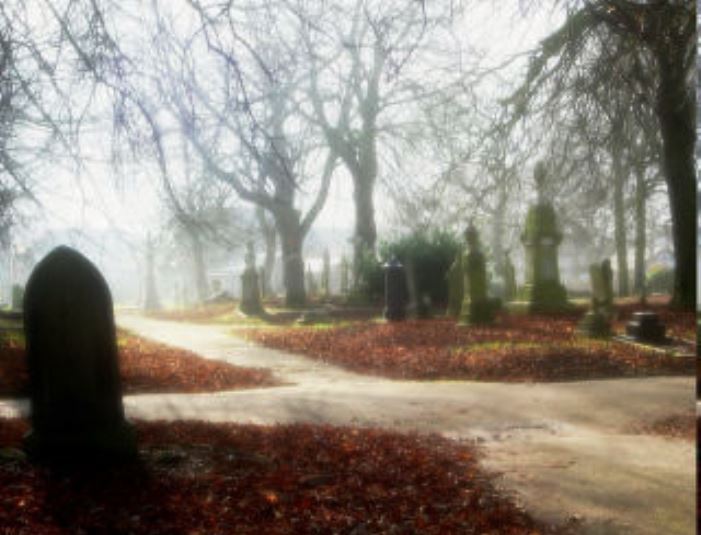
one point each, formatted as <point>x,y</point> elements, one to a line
<point>596,322</point>
<point>250,288</point>
<point>395,290</point>
<point>75,389</point>
<point>476,308</point>
<point>646,327</point>
<point>540,239</point>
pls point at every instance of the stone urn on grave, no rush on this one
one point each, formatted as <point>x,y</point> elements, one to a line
<point>542,288</point>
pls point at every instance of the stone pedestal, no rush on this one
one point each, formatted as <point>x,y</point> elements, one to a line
<point>476,307</point>
<point>646,327</point>
<point>541,238</point>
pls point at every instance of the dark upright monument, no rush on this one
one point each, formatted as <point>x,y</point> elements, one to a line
<point>75,390</point>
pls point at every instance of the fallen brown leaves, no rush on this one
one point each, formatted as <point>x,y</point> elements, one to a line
<point>681,426</point>
<point>227,478</point>
<point>517,348</point>
<point>148,366</point>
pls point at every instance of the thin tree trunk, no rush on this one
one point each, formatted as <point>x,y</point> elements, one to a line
<point>365,229</point>
<point>198,266</point>
<point>620,235</point>
<point>270,239</point>
<point>291,238</point>
<point>640,235</point>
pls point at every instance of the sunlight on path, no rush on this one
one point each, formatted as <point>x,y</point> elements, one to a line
<point>565,450</point>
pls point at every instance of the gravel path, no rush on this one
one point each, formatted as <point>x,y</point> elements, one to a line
<point>563,449</point>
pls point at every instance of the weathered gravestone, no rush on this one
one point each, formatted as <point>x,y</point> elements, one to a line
<point>596,322</point>
<point>476,307</point>
<point>395,290</point>
<point>75,389</point>
<point>456,287</point>
<point>250,287</point>
<point>541,238</point>
<point>646,327</point>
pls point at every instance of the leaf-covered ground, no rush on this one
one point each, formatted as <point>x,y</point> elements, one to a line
<point>515,348</point>
<point>147,366</point>
<point>226,478</point>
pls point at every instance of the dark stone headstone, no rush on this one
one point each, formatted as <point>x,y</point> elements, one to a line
<point>75,390</point>
<point>646,327</point>
<point>395,290</point>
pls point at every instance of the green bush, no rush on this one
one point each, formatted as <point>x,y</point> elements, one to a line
<point>370,285</point>
<point>660,279</point>
<point>430,254</point>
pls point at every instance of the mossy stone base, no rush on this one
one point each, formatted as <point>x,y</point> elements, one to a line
<point>545,296</point>
<point>479,312</point>
<point>594,325</point>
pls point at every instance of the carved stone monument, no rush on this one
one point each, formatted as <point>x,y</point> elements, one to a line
<point>476,307</point>
<point>250,287</point>
<point>541,238</point>
<point>596,322</point>
<point>75,389</point>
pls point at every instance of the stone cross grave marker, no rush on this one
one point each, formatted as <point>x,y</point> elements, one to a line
<point>75,389</point>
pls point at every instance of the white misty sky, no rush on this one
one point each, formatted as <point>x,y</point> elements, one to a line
<point>90,201</point>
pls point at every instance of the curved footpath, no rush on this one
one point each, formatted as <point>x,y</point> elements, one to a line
<point>563,449</point>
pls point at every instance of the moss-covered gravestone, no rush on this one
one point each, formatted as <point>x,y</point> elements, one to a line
<point>456,287</point>
<point>596,323</point>
<point>541,238</point>
<point>75,389</point>
<point>250,286</point>
<point>476,307</point>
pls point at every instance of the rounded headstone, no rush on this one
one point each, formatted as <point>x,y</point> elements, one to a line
<point>75,389</point>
